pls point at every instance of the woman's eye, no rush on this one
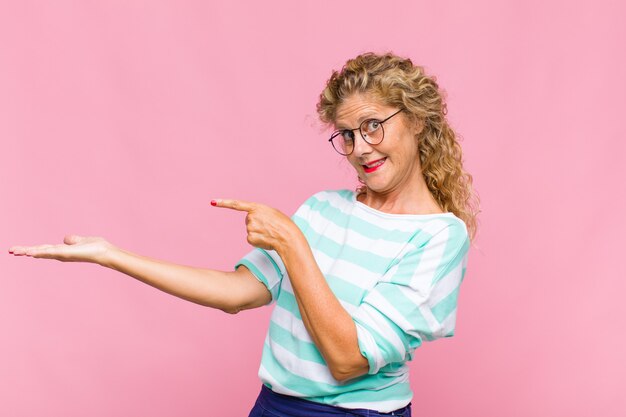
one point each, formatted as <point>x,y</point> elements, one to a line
<point>348,136</point>
<point>372,125</point>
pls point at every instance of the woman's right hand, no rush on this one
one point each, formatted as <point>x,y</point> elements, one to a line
<point>75,249</point>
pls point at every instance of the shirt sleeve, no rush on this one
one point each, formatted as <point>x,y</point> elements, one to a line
<point>415,300</point>
<point>266,265</point>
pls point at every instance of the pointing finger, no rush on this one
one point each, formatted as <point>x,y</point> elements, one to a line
<point>238,205</point>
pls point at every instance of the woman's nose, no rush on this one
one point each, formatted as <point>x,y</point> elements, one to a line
<point>361,147</point>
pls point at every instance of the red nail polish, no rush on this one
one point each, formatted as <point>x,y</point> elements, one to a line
<point>213,203</point>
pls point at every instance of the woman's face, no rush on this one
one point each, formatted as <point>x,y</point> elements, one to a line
<point>392,165</point>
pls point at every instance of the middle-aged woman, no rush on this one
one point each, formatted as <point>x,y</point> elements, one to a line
<point>360,278</point>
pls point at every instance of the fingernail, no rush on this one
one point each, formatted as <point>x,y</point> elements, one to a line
<point>213,203</point>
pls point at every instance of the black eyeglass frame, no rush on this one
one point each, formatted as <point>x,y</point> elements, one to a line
<point>342,131</point>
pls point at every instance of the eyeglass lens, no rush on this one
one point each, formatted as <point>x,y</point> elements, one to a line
<point>371,131</point>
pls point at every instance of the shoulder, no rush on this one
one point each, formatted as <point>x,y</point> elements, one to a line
<point>448,230</point>
<point>344,194</point>
<point>449,246</point>
<point>443,240</point>
<point>327,203</point>
<point>451,227</point>
<point>336,198</point>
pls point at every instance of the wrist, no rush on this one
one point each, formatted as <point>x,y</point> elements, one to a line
<point>291,241</point>
<point>108,257</point>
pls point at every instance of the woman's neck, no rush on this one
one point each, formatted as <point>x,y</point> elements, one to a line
<point>418,200</point>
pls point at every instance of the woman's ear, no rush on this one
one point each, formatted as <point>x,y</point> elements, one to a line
<point>418,126</point>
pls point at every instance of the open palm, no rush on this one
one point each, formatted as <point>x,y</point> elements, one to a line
<point>74,249</point>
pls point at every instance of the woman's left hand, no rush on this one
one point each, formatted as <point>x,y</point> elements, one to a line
<point>267,227</point>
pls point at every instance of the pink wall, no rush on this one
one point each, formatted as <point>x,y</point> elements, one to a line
<point>125,118</point>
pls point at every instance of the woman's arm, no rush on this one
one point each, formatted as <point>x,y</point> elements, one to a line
<point>329,324</point>
<point>228,291</point>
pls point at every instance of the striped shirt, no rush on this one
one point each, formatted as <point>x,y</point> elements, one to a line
<point>397,275</point>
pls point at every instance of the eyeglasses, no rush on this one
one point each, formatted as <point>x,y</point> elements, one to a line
<point>371,131</point>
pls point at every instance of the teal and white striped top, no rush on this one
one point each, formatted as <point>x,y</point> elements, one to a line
<point>398,275</point>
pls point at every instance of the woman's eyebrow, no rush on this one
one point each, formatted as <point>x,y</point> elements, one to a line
<point>368,115</point>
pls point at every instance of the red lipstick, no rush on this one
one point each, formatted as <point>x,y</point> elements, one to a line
<point>374,165</point>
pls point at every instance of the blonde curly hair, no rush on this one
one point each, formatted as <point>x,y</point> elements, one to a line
<point>397,82</point>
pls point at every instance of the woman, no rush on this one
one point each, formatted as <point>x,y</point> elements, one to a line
<point>361,278</point>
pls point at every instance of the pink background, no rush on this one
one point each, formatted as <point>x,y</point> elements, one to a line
<point>123,119</point>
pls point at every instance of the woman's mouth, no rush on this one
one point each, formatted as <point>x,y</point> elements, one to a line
<point>374,165</point>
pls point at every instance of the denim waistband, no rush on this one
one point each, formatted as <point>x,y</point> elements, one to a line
<point>292,406</point>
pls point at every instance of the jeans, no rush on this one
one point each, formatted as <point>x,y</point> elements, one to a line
<point>271,404</point>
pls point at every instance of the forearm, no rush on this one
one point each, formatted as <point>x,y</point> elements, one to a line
<point>211,288</point>
<point>331,327</point>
